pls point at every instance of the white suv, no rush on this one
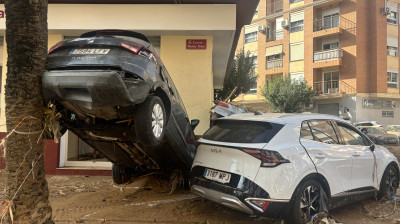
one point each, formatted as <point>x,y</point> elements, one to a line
<point>292,166</point>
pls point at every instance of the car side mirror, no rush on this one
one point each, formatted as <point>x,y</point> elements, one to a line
<point>372,147</point>
<point>194,123</point>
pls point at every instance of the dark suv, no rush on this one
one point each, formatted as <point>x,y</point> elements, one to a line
<point>114,92</point>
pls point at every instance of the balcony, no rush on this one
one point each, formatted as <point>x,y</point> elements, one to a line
<point>327,22</point>
<point>274,35</point>
<point>274,64</point>
<point>274,6</point>
<point>328,58</point>
<point>333,87</point>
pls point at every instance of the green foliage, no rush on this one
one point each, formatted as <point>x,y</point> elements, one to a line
<point>287,96</point>
<point>242,75</point>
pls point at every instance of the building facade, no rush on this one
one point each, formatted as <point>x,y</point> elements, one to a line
<point>347,50</point>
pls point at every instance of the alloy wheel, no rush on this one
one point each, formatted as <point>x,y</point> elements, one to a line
<point>157,120</point>
<point>309,204</point>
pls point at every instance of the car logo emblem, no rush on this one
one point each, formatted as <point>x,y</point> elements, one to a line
<point>216,150</point>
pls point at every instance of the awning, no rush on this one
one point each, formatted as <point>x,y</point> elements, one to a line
<point>273,50</point>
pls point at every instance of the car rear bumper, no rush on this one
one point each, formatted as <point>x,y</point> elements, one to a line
<point>237,196</point>
<point>93,88</point>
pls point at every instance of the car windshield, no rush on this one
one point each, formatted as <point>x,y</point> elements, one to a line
<point>375,131</point>
<point>236,131</point>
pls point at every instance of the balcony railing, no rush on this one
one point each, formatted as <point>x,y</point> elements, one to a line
<point>278,63</point>
<point>328,55</point>
<point>327,23</point>
<point>332,87</point>
<point>273,35</point>
<point>274,6</point>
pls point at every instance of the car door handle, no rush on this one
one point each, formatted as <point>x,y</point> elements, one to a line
<point>356,154</point>
<point>319,156</point>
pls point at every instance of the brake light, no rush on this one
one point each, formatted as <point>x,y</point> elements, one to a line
<point>55,47</point>
<point>131,47</point>
<point>222,104</point>
<point>268,158</point>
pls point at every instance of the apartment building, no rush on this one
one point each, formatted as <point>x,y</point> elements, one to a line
<point>347,50</point>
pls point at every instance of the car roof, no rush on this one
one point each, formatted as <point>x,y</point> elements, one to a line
<point>283,118</point>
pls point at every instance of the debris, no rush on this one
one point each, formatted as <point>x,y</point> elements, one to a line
<point>323,218</point>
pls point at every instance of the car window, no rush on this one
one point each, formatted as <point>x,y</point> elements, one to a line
<point>350,135</point>
<point>320,130</point>
<point>236,131</point>
<point>375,131</point>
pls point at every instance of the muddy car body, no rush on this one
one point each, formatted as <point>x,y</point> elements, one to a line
<point>379,136</point>
<point>114,92</point>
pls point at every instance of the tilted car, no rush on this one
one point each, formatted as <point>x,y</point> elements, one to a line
<point>379,136</point>
<point>114,92</point>
<point>368,123</point>
<point>288,165</point>
<point>393,129</point>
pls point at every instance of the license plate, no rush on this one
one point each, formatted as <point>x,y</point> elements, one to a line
<point>89,51</point>
<point>217,176</point>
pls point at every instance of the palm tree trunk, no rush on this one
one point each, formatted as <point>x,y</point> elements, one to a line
<point>26,36</point>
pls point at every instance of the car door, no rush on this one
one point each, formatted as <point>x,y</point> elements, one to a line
<point>362,173</point>
<point>331,158</point>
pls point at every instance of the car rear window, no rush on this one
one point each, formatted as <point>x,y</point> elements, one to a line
<point>236,131</point>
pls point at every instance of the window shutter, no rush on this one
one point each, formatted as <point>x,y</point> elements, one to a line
<point>294,17</point>
<point>297,51</point>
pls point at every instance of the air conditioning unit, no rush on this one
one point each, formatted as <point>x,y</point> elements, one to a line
<point>285,23</point>
<point>386,11</point>
<point>262,29</point>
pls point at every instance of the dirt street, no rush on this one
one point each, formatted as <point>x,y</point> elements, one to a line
<point>90,199</point>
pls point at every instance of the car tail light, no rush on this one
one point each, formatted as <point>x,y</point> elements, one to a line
<point>139,50</point>
<point>268,158</point>
<point>222,104</point>
<point>55,47</point>
<point>260,205</point>
<point>131,47</point>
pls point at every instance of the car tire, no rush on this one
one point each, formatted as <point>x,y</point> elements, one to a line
<point>305,202</point>
<point>150,121</point>
<point>389,183</point>
<point>121,174</point>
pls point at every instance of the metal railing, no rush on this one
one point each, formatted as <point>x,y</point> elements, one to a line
<point>273,35</point>
<point>332,87</point>
<point>328,55</point>
<point>278,63</point>
<point>274,6</point>
<point>327,22</point>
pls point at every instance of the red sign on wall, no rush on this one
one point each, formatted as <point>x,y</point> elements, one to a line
<point>192,44</point>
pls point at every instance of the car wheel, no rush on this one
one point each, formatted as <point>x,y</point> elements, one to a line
<point>121,174</point>
<point>389,183</point>
<point>306,202</point>
<point>150,121</point>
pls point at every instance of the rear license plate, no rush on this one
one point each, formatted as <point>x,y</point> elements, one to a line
<point>217,176</point>
<point>89,51</point>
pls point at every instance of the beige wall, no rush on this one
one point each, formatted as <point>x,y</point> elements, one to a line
<point>297,4</point>
<point>191,71</point>
<point>52,40</point>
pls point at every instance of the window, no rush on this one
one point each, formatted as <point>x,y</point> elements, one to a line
<point>393,80</point>
<point>330,46</point>
<point>321,131</point>
<point>253,89</point>
<point>250,33</point>
<point>297,51</point>
<point>392,51</point>
<point>350,135</point>
<point>294,1</point>
<point>250,37</point>
<point>392,16</point>
<point>236,131</point>
<point>296,22</point>
<point>331,21</point>
<point>299,76</point>
<point>331,82</point>
<point>387,113</point>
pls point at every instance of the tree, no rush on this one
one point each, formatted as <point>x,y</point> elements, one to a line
<point>241,75</point>
<point>26,36</point>
<point>288,96</point>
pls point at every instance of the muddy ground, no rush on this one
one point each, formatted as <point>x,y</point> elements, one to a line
<point>92,199</point>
